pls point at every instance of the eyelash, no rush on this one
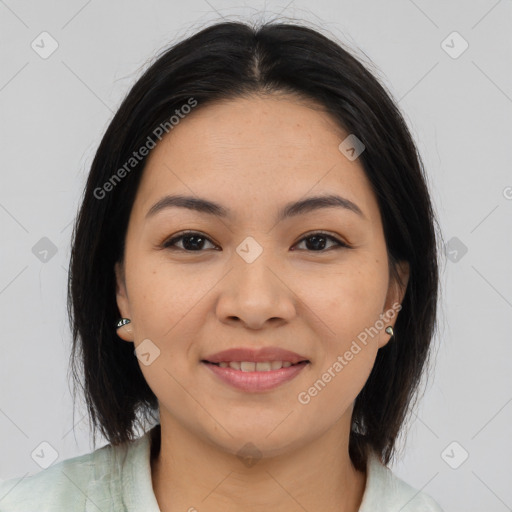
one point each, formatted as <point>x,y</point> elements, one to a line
<point>170,242</point>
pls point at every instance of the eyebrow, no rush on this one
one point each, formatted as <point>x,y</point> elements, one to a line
<point>289,210</point>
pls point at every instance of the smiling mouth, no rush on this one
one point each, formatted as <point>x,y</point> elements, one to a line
<point>256,376</point>
<point>261,366</point>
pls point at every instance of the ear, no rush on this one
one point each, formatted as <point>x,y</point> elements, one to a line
<point>394,298</point>
<point>125,332</point>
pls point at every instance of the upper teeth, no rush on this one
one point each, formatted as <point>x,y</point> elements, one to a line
<point>249,366</point>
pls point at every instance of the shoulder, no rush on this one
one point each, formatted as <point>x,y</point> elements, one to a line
<point>387,493</point>
<point>80,483</point>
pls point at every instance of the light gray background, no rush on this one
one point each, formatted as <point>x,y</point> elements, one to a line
<point>55,110</point>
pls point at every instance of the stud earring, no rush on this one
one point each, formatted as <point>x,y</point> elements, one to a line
<point>389,330</point>
<point>123,321</point>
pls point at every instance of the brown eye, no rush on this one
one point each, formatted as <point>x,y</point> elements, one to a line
<point>192,241</point>
<point>317,242</point>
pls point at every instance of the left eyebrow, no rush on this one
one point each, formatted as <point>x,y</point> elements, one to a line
<point>316,203</point>
<point>292,209</point>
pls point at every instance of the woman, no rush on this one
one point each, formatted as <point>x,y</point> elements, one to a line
<point>254,266</point>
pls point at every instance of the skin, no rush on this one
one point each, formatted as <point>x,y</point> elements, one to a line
<point>253,155</point>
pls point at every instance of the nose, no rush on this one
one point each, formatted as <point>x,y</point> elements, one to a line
<point>256,293</point>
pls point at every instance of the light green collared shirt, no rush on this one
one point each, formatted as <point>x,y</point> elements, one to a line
<point>118,479</point>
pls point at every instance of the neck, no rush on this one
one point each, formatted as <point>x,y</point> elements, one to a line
<point>190,474</point>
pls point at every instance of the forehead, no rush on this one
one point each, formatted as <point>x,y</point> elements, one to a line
<point>254,151</point>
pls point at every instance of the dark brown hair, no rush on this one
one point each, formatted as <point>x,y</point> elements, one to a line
<point>221,62</point>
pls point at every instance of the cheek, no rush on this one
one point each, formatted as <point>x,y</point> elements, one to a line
<point>348,300</point>
<point>334,388</point>
<point>161,296</point>
<point>348,306</point>
<point>348,310</point>
<point>165,306</point>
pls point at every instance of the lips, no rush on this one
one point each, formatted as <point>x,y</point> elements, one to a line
<point>255,370</point>
<point>265,354</point>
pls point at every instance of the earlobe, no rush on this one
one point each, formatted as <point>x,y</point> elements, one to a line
<point>387,336</point>
<point>125,329</point>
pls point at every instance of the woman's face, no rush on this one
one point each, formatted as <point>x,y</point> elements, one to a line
<point>256,276</point>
